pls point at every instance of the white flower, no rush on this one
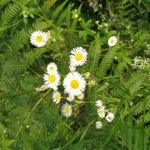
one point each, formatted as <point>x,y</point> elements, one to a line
<point>99,103</point>
<point>74,84</point>
<point>56,97</point>
<point>110,117</point>
<point>52,79</point>
<point>81,96</point>
<point>66,110</point>
<point>39,38</point>
<point>72,68</point>
<point>98,124</point>
<point>51,67</point>
<point>101,111</point>
<point>78,56</point>
<point>112,41</point>
<point>70,98</point>
<point>140,63</point>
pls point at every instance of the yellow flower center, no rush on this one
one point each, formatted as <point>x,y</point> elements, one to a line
<point>67,109</point>
<point>39,38</point>
<point>52,78</point>
<point>74,84</point>
<point>57,96</point>
<point>78,56</point>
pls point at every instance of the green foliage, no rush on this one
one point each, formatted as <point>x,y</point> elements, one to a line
<point>29,119</point>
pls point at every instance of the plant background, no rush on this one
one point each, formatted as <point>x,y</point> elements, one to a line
<point>29,120</point>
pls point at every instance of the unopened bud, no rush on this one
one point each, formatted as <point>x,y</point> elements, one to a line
<point>42,88</point>
<point>76,15</point>
<point>81,96</point>
<point>70,98</point>
<point>92,83</point>
<point>49,34</point>
<point>87,75</point>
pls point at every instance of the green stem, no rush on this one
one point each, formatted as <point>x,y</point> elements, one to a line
<point>30,112</point>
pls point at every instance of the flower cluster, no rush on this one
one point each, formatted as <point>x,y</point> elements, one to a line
<point>74,83</point>
<point>52,80</point>
<point>76,15</point>
<point>103,113</point>
<point>95,4</point>
<point>140,63</point>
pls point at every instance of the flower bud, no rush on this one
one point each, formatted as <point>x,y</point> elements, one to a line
<point>92,83</point>
<point>98,125</point>
<point>81,96</point>
<point>87,75</point>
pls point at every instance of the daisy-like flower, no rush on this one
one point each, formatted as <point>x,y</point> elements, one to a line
<point>66,110</point>
<point>101,111</point>
<point>110,117</point>
<point>56,97</point>
<point>52,79</point>
<point>98,124</point>
<point>74,84</point>
<point>112,41</point>
<point>39,38</point>
<point>99,103</point>
<point>51,67</point>
<point>78,56</point>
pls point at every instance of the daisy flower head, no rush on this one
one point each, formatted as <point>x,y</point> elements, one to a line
<point>56,97</point>
<point>112,41</point>
<point>101,111</point>
<point>39,38</point>
<point>98,124</point>
<point>52,79</point>
<point>51,67</point>
<point>78,56</point>
<point>66,110</point>
<point>110,117</point>
<point>74,84</point>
